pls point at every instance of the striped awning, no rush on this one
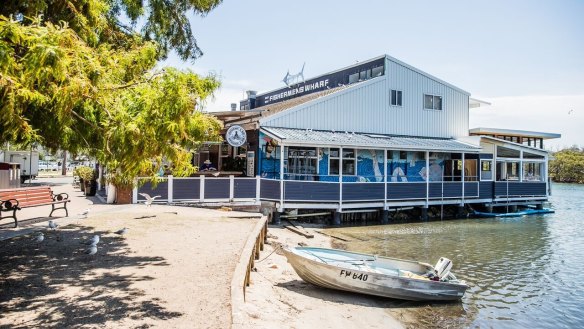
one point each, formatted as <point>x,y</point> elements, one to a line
<point>316,138</point>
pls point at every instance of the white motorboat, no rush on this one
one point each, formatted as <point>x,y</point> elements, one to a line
<point>376,275</point>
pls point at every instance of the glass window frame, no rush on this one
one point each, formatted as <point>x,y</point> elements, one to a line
<point>395,97</point>
<point>434,101</point>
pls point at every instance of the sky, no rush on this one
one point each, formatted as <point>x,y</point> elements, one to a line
<point>526,58</point>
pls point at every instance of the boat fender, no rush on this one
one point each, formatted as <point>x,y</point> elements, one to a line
<point>442,267</point>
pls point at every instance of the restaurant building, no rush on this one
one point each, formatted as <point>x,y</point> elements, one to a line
<point>376,135</point>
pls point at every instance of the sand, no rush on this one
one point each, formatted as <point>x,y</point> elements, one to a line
<point>278,298</point>
<point>173,269</point>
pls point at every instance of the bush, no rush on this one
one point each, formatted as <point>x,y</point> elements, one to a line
<point>85,173</point>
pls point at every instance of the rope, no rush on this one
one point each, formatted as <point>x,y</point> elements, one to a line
<point>275,249</point>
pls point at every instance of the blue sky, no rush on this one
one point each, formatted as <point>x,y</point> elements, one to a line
<point>525,57</point>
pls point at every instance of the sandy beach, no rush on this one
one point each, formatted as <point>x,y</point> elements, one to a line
<point>278,298</point>
<point>172,269</point>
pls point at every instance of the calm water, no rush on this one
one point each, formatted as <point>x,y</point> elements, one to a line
<point>525,272</point>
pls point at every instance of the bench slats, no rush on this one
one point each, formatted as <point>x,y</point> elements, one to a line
<point>30,197</point>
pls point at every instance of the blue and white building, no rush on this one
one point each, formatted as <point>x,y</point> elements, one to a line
<point>379,134</point>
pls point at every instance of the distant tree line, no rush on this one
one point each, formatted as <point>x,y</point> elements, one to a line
<point>568,166</point>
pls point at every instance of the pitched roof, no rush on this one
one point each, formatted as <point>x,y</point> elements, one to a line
<point>302,137</point>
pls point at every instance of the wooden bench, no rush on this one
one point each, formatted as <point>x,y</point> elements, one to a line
<point>26,197</point>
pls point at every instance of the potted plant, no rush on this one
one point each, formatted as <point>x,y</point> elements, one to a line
<point>87,179</point>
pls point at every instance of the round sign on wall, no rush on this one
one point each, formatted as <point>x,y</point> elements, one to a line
<point>236,136</point>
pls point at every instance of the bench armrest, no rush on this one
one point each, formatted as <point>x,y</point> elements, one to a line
<point>9,204</point>
<point>61,197</point>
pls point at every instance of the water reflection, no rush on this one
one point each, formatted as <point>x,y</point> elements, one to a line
<point>523,272</point>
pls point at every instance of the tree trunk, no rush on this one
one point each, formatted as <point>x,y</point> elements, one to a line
<point>123,194</point>
<point>64,166</point>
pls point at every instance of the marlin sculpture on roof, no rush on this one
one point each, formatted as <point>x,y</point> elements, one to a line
<point>291,79</point>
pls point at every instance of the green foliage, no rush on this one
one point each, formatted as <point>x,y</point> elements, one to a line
<point>59,90</point>
<point>568,166</point>
<point>84,172</point>
<point>99,22</point>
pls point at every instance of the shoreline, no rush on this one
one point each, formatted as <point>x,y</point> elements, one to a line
<point>278,298</point>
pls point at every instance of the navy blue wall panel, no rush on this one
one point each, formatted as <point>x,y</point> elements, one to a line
<point>516,189</point>
<point>270,189</point>
<point>216,188</point>
<point>186,189</point>
<point>486,190</point>
<point>311,191</point>
<point>397,191</point>
<point>471,189</point>
<point>244,188</point>
<point>363,191</point>
<point>160,189</point>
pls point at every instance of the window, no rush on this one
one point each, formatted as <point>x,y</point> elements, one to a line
<point>334,162</point>
<point>377,71</point>
<point>353,78</point>
<point>302,161</point>
<point>486,171</point>
<point>395,98</point>
<point>348,165</point>
<point>348,162</point>
<point>364,75</point>
<point>432,102</point>
<point>533,171</point>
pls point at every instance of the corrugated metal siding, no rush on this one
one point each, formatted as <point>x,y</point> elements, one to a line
<point>160,189</point>
<point>397,191</point>
<point>244,188</point>
<point>270,189</point>
<point>365,108</point>
<point>515,189</point>
<point>186,188</point>
<point>217,188</point>
<point>311,191</point>
<point>363,191</point>
<point>486,190</point>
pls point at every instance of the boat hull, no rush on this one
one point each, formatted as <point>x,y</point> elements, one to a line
<point>367,282</point>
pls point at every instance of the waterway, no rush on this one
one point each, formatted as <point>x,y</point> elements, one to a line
<point>523,272</point>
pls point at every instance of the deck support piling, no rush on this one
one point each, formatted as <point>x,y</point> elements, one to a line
<point>539,206</point>
<point>337,218</point>
<point>424,215</point>
<point>276,218</point>
<point>385,217</point>
<point>460,212</point>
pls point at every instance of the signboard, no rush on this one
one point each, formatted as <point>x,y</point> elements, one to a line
<point>250,163</point>
<point>328,81</point>
<point>236,136</point>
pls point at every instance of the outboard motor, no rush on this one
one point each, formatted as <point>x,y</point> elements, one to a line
<point>442,268</point>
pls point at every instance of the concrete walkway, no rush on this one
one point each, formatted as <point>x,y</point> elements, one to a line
<point>173,269</point>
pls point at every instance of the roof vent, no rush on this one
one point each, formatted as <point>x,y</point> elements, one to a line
<point>251,94</point>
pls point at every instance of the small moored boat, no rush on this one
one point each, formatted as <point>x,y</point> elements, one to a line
<point>376,275</point>
<point>525,212</point>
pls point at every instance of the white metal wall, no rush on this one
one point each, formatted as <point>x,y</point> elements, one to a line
<point>365,108</point>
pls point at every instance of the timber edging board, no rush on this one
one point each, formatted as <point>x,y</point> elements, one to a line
<point>241,275</point>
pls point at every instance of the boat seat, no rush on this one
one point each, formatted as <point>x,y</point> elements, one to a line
<point>410,275</point>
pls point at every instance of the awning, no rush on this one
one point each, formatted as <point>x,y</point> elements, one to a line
<point>316,138</point>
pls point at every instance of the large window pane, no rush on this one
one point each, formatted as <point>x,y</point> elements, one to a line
<point>348,167</point>
<point>486,170</point>
<point>533,172</point>
<point>437,102</point>
<point>428,100</point>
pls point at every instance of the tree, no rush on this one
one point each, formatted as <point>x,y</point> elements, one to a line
<point>90,86</point>
<point>112,22</point>
<point>568,166</point>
